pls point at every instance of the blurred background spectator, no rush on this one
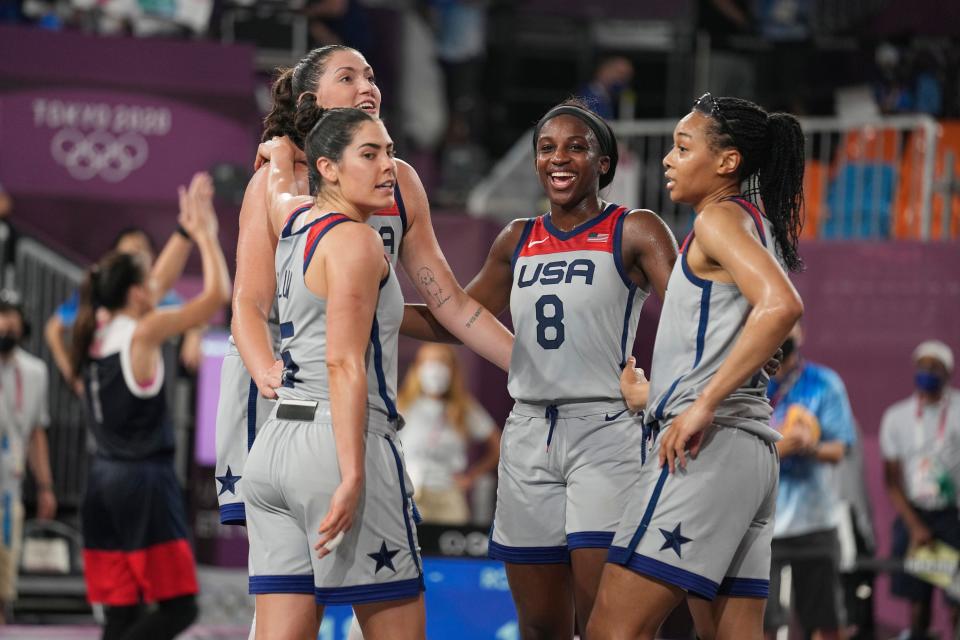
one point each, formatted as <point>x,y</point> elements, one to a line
<point>920,438</point>
<point>23,439</point>
<point>442,421</point>
<point>812,411</point>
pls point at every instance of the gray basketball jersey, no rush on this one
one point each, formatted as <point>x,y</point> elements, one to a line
<point>574,310</point>
<point>390,223</point>
<point>303,326</point>
<point>700,322</point>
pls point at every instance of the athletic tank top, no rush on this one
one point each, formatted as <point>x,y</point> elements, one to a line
<point>390,223</point>
<point>574,310</point>
<point>129,421</point>
<point>700,322</point>
<point>303,323</point>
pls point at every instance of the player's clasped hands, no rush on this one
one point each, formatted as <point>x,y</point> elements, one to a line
<point>686,433</point>
<point>339,519</point>
<point>274,145</point>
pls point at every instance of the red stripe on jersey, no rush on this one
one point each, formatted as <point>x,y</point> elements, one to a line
<point>686,241</point>
<point>598,237</point>
<point>159,572</point>
<point>392,210</point>
<point>317,228</point>
<point>294,213</point>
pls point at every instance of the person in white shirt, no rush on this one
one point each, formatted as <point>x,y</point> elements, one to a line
<point>920,441</point>
<point>442,420</point>
<point>23,438</point>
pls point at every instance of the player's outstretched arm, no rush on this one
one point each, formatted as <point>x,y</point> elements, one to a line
<point>201,222</point>
<point>467,318</point>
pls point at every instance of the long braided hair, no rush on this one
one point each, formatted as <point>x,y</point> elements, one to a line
<point>772,149</point>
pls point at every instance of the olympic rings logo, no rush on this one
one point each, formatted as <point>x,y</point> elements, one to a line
<point>99,153</point>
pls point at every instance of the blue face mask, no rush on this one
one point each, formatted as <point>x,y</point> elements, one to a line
<point>926,381</point>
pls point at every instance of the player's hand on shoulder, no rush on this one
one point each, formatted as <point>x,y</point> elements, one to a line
<point>634,386</point>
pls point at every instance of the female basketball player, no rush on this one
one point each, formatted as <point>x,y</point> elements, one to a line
<point>136,547</point>
<point>332,76</point>
<point>575,279</point>
<point>702,527</point>
<point>325,473</point>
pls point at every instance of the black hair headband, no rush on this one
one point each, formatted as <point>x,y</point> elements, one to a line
<point>600,128</point>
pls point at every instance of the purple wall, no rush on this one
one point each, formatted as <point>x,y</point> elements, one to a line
<point>867,307</point>
<point>97,133</point>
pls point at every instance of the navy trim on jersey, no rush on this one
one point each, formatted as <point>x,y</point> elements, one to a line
<point>706,287</point>
<point>745,587</point>
<point>316,241</point>
<point>528,227</point>
<point>401,209</point>
<point>626,324</point>
<point>286,330</point>
<point>281,584</point>
<point>618,250</point>
<point>648,512</point>
<point>363,593</point>
<point>378,368</point>
<point>754,213</point>
<point>589,540</point>
<point>687,271</point>
<point>233,513</point>
<point>286,233</point>
<point>251,413</point>
<point>704,320</point>
<point>566,235</point>
<point>658,413</point>
<point>406,518</point>
<point>693,583</point>
<point>529,555</point>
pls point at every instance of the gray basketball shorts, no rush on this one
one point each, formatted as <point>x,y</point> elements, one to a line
<point>564,479</point>
<point>291,475</point>
<point>241,411</point>
<point>706,529</point>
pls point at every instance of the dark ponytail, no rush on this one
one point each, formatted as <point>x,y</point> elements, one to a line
<point>279,122</point>
<point>106,285</point>
<point>305,118</point>
<point>772,150</point>
<point>290,85</point>
<point>781,184</point>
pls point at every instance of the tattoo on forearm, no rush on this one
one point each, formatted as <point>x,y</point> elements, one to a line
<point>431,288</point>
<point>473,318</point>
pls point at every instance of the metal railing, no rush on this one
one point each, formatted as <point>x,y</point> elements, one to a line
<point>45,279</point>
<point>870,178</point>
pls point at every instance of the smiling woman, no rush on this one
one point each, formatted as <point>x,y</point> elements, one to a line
<point>575,280</point>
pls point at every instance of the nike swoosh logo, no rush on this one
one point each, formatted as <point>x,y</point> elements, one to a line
<point>536,242</point>
<point>609,417</point>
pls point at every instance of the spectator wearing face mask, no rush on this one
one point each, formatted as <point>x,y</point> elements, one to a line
<point>920,441</point>
<point>442,420</point>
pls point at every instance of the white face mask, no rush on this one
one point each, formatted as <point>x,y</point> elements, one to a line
<point>434,378</point>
